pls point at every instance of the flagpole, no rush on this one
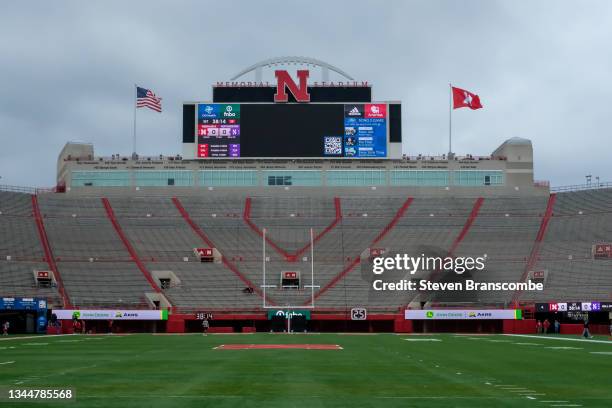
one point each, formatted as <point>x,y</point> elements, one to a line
<point>450,119</point>
<point>134,135</point>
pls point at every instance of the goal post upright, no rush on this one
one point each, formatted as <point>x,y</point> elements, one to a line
<point>312,267</point>
<point>263,241</point>
<point>265,285</point>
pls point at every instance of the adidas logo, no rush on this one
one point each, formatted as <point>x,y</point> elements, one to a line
<point>354,112</point>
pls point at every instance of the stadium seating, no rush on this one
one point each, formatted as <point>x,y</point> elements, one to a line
<point>97,268</point>
<point>580,220</point>
<point>20,249</point>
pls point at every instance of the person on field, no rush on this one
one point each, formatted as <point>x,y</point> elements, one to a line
<point>585,331</point>
<point>205,326</point>
<point>610,328</point>
<point>557,326</point>
<point>539,327</point>
<point>5,328</point>
<point>546,326</point>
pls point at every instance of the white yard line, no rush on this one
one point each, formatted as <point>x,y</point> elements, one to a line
<point>559,338</point>
<point>34,337</point>
<point>7,362</point>
<point>422,339</point>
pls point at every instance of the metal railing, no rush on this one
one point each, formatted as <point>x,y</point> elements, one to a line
<point>26,190</point>
<point>580,187</point>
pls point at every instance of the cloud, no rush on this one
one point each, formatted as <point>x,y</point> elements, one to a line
<point>541,69</point>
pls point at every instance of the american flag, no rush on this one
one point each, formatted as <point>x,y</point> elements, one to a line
<point>145,98</point>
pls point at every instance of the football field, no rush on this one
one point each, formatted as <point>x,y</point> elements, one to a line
<point>313,370</point>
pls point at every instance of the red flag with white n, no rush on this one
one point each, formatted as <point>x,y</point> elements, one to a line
<point>465,99</point>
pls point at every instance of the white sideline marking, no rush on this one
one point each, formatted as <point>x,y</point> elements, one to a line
<point>558,338</point>
<point>499,341</point>
<point>528,344</point>
<point>567,405</point>
<point>7,362</point>
<point>606,353</point>
<point>35,337</point>
<point>565,348</point>
<point>422,339</point>
<point>531,398</point>
<point>411,397</point>
<point>554,401</point>
<point>36,344</point>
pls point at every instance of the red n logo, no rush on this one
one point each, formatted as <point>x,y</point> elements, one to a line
<point>283,79</point>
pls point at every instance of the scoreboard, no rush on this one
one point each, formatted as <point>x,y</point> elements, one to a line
<point>268,130</point>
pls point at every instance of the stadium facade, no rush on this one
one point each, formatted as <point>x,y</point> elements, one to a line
<point>245,225</point>
<point>506,171</point>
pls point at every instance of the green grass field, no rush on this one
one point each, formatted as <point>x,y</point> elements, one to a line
<point>382,370</point>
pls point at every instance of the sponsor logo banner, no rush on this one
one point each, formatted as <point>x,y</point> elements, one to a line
<point>17,303</point>
<point>108,314</point>
<point>375,110</point>
<point>230,111</point>
<point>459,314</point>
<point>353,111</point>
<point>288,313</point>
<point>208,111</point>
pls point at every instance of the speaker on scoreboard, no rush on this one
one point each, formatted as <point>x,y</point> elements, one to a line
<point>395,123</point>
<point>189,123</point>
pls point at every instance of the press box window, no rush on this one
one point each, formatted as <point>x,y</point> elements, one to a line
<point>279,180</point>
<point>170,181</point>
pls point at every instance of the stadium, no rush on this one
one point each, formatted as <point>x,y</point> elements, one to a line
<point>272,241</point>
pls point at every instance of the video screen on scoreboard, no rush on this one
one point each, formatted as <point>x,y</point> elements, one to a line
<point>291,130</point>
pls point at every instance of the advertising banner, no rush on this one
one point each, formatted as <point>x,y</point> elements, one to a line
<point>365,130</point>
<point>15,303</point>
<point>459,314</point>
<point>288,313</point>
<point>91,314</point>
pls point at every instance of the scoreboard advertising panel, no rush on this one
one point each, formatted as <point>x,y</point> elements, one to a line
<point>261,130</point>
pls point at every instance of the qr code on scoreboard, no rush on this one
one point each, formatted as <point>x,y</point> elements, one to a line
<point>333,145</point>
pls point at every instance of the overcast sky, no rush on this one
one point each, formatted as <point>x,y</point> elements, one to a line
<point>543,70</point>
